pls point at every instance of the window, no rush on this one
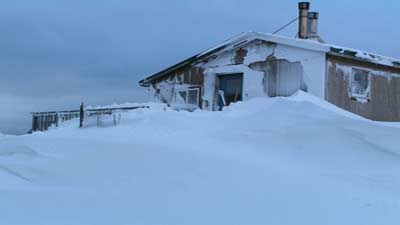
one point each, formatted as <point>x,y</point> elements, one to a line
<point>183,95</point>
<point>193,97</point>
<point>360,84</point>
<point>190,96</point>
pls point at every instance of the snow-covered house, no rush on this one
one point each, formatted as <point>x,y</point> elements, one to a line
<point>256,64</point>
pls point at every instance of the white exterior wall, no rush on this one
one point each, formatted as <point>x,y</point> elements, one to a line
<point>252,82</point>
<point>314,66</point>
<point>313,63</point>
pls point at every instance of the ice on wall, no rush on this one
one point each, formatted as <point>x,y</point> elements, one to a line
<point>348,71</point>
<point>252,81</point>
<point>312,62</point>
<point>259,51</point>
<point>166,90</point>
<point>169,93</point>
<point>311,55</point>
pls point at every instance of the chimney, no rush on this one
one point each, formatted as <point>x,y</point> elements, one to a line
<point>303,19</point>
<point>313,27</point>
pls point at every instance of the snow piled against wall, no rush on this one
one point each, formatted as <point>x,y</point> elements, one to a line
<point>313,63</point>
<point>289,161</point>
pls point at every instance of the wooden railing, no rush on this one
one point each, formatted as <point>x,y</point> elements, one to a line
<point>41,121</point>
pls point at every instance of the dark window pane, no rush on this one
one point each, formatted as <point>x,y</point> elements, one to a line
<point>360,83</point>
<point>233,86</point>
<point>182,94</point>
<point>193,97</point>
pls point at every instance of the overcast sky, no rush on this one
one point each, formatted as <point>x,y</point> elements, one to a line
<point>55,54</point>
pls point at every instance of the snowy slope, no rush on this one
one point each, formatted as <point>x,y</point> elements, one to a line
<point>296,160</point>
<point>3,136</point>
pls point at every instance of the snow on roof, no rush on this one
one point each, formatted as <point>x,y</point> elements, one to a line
<point>312,45</point>
<point>366,56</point>
<point>309,45</point>
<point>247,37</point>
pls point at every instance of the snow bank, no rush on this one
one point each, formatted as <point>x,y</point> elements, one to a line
<point>4,136</point>
<point>301,96</point>
<point>295,160</point>
<point>264,104</point>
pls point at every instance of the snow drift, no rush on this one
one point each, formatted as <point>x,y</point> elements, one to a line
<point>296,160</point>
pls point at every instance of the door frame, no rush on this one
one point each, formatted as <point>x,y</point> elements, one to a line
<point>218,85</point>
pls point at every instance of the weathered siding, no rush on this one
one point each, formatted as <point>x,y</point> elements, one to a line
<point>261,63</point>
<point>269,69</point>
<point>384,100</point>
<point>281,77</point>
<point>190,76</point>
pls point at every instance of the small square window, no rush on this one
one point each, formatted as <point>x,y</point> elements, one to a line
<point>189,97</point>
<point>183,94</point>
<point>360,84</point>
<point>193,96</point>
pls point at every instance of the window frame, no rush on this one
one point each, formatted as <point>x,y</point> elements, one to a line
<point>186,90</point>
<point>356,96</point>
<point>197,89</point>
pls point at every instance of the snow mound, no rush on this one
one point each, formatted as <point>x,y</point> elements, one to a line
<point>289,161</point>
<point>15,164</point>
<point>4,136</point>
<point>17,151</point>
<point>301,96</point>
<point>307,102</point>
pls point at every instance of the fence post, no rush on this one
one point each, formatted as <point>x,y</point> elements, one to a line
<point>43,123</point>
<point>39,127</point>
<point>56,119</point>
<point>46,124</point>
<point>81,115</point>
<point>98,119</point>
<point>34,122</point>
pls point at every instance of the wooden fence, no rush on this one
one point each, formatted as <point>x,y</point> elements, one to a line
<point>41,121</point>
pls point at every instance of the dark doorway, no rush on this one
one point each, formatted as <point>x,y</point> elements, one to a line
<point>230,89</point>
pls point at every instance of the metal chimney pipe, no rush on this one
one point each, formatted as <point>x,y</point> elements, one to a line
<point>313,24</point>
<point>304,7</point>
<point>313,27</point>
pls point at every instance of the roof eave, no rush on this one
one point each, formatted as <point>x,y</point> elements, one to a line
<point>332,53</point>
<point>192,60</point>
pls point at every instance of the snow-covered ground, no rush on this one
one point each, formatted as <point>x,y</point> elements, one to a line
<point>294,160</point>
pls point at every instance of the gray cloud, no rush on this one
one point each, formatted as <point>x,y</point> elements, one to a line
<point>55,54</point>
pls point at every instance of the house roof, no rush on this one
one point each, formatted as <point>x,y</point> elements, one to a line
<point>244,38</point>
